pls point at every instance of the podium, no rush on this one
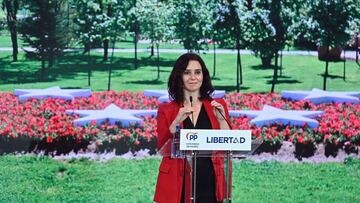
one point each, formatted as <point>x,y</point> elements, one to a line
<point>221,146</point>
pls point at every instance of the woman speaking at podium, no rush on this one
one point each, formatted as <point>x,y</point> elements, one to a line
<point>192,107</point>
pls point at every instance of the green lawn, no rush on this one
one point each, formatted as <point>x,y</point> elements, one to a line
<point>299,73</point>
<point>32,179</point>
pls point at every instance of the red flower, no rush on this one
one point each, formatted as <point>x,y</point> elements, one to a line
<point>49,139</point>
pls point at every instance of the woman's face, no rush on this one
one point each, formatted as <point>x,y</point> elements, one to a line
<point>192,76</point>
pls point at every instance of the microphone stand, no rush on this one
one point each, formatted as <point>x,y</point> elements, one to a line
<point>194,155</point>
<point>192,114</point>
<point>224,118</point>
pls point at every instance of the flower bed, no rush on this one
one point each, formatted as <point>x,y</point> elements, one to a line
<point>42,125</point>
<point>339,126</point>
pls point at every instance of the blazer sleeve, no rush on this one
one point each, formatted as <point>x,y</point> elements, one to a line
<point>162,127</point>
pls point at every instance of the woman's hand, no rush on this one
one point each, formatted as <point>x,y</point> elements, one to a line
<point>183,113</point>
<point>218,108</point>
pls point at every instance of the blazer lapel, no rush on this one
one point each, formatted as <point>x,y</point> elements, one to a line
<point>210,113</point>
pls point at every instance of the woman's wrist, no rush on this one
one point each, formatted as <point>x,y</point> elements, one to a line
<point>175,122</point>
<point>173,125</point>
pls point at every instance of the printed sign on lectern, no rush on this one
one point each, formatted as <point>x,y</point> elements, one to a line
<point>227,140</point>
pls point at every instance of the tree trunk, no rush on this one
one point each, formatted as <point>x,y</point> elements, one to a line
<point>327,53</point>
<point>106,49</point>
<point>42,73</point>
<point>135,38</point>
<point>158,60</point>
<point>107,41</point>
<point>325,74</point>
<point>51,60</point>
<point>281,67</point>
<point>237,69</point>
<point>12,8</point>
<point>86,48</point>
<point>89,69</point>
<point>14,44</point>
<point>152,50</point>
<point>275,76</point>
<point>214,59</point>
<point>135,45</point>
<point>111,63</point>
<point>239,64</point>
<point>266,61</point>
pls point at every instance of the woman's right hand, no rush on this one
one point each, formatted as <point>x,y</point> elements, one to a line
<point>183,113</point>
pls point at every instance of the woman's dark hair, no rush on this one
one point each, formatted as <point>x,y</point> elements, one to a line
<point>175,83</point>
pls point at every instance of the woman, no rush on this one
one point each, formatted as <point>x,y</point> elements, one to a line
<point>190,79</point>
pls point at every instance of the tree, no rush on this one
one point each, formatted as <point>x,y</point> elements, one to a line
<point>11,7</point>
<point>300,30</point>
<point>45,31</point>
<point>229,27</point>
<point>156,23</point>
<point>116,24</point>
<point>133,25</point>
<point>211,32</point>
<point>93,23</point>
<point>267,28</point>
<point>107,19</point>
<point>191,21</point>
<point>331,21</point>
<point>87,12</point>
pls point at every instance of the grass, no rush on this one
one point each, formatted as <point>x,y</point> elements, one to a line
<point>299,73</point>
<point>41,179</point>
<point>305,182</point>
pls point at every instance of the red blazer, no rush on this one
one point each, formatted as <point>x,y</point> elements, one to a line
<point>170,178</point>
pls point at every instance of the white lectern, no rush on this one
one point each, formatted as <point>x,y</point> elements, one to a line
<point>224,144</point>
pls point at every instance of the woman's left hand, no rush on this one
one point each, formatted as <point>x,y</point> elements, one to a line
<point>218,107</point>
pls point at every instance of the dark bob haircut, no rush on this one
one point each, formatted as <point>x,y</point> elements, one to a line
<point>175,83</point>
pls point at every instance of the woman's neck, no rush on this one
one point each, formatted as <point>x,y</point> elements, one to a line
<point>194,95</point>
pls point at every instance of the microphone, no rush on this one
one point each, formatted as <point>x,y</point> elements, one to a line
<point>192,115</point>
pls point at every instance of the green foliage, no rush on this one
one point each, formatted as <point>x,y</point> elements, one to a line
<point>11,7</point>
<point>44,29</point>
<point>156,20</point>
<point>98,21</point>
<point>86,18</point>
<point>329,21</point>
<point>194,19</point>
<point>229,26</point>
<point>299,29</point>
<point>267,27</point>
<point>131,12</point>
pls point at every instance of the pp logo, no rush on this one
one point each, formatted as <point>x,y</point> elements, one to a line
<point>191,136</point>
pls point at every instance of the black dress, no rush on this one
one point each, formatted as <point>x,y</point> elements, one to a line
<point>205,181</point>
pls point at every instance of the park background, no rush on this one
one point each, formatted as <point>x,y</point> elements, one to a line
<point>254,48</point>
